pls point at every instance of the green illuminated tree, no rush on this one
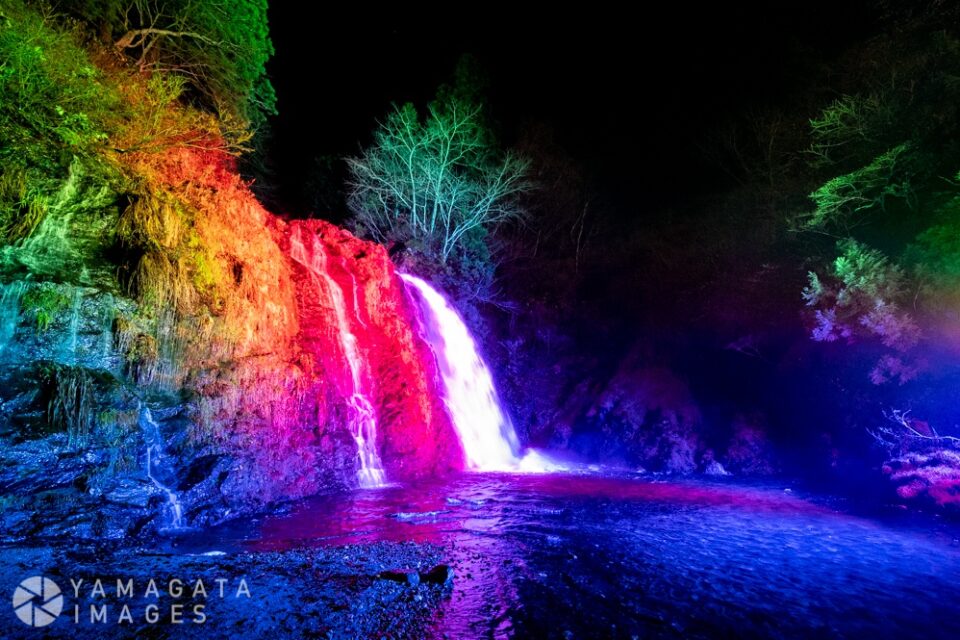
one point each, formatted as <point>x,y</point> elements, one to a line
<point>885,152</point>
<point>436,179</point>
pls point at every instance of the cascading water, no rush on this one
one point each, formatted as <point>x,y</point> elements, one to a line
<point>68,348</point>
<point>363,420</point>
<point>154,440</point>
<point>356,301</point>
<point>10,295</point>
<point>486,433</point>
<point>108,314</point>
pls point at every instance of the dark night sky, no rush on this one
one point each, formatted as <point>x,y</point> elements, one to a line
<point>628,98</point>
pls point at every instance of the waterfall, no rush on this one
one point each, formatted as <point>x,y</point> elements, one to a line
<point>486,433</point>
<point>108,315</point>
<point>155,455</point>
<point>363,422</point>
<point>9,312</point>
<point>68,348</point>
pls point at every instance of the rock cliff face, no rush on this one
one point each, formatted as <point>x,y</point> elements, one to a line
<point>171,353</point>
<point>397,369</point>
<point>192,301</point>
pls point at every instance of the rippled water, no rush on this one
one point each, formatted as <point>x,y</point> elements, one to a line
<point>590,556</point>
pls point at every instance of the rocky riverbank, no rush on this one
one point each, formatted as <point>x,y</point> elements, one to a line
<point>335,592</point>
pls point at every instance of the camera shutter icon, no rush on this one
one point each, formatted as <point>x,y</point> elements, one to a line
<point>37,601</point>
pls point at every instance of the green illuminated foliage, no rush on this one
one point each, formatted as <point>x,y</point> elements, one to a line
<point>844,200</point>
<point>883,151</point>
<point>21,208</point>
<point>865,295</point>
<point>50,94</point>
<point>207,274</point>
<point>847,125</point>
<point>72,404</point>
<point>44,303</point>
<point>219,47</point>
<point>934,259</point>
<point>151,222</point>
<point>436,179</point>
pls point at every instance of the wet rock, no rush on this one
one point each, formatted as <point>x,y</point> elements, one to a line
<point>14,525</point>
<point>199,470</point>
<point>441,574</point>
<point>301,593</point>
<point>416,436</point>
<point>163,414</point>
<point>750,451</point>
<point>644,415</point>
<point>203,495</point>
<point>714,468</point>
<point>408,577</point>
<point>417,516</point>
<point>17,404</point>
<point>119,522</point>
<point>131,492</point>
<point>37,472</point>
<point>59,521</point>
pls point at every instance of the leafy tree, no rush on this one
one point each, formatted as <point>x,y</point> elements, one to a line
<point>884,151</point>
<point>437,180</point>
<point>866,295</point>
<point>846,126</point>
<point>841,200</point>
<point>221,46</point>
<point>51,96</point>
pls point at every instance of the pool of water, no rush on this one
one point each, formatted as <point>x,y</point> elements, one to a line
<point>575,556</point>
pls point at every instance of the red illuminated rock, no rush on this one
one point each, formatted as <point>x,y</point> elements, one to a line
<point>415,436</point>
<point>268,366</point>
